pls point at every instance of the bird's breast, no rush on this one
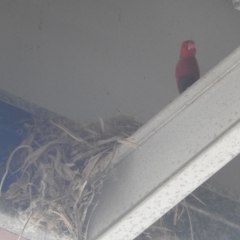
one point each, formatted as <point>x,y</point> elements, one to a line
<point>187,67</point>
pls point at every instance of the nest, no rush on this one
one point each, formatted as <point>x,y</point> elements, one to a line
<point>60,168</point>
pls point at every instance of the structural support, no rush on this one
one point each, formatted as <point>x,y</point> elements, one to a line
<point>181,147</point>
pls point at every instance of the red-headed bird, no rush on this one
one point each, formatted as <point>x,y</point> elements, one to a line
<point>187,70</point>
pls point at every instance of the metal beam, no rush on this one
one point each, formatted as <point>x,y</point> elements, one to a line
<point>181,147</point>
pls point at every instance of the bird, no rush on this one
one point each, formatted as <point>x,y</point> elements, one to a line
<point>187,69</point>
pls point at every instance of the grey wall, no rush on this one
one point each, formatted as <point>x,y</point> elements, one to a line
<point>89,59</point>
<point>86,59</point>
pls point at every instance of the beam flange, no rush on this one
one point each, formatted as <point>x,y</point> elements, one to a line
<point>181,147</point>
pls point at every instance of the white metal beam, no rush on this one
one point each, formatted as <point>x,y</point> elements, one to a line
<point>181,147</point>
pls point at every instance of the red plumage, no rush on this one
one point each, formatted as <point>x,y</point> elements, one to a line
<point>187,70</point>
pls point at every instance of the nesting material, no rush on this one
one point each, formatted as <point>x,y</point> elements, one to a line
<point>60,173</point>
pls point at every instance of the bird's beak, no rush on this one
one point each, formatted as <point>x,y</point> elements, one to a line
<point>191,46</point>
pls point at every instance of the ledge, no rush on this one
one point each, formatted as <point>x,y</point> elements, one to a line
<point>181,147</point>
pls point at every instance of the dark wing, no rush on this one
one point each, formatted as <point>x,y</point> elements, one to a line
<point>184,82</point>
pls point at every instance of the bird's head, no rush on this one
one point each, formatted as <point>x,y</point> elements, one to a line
<point>188,49</point>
